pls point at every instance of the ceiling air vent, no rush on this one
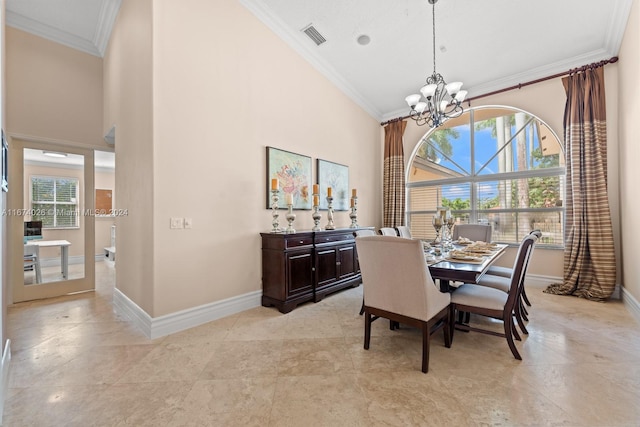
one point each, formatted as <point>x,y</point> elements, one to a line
<point>314,35</point>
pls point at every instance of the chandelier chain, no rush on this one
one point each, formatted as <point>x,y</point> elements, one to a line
<point>433,17</point>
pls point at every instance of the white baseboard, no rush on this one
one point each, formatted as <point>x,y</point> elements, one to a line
<point>631,304</point>
<point>4,376</point>
<point>185,319</point>
<point>540,281</point>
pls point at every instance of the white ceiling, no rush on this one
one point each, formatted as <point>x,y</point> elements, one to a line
<point>81,24</point>
<point>487,44</point>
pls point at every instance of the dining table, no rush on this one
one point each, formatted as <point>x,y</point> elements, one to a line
<point>448,268</point>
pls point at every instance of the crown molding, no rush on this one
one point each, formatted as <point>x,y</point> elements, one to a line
<point>95,47</point>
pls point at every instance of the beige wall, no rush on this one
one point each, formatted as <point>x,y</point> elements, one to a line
<point>546,100</point>
<point>218,102</point>
<point>128,77</point>
<point>629,129</point>
<point>54,92</point>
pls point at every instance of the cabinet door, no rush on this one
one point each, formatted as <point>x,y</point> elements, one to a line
<point>348,265</point>
<point>326,266</point>
<point>299,272</point>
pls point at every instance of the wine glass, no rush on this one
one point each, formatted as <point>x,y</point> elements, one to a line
<point>450,223</point>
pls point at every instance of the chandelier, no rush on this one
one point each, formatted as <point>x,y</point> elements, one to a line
<point>442,101</point>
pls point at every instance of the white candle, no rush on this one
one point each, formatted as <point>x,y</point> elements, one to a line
<point>289,199</point>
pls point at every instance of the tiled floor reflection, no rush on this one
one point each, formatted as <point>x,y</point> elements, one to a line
<point>77,363</point>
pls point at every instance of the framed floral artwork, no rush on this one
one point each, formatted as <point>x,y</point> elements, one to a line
<point>291,174</point>
<point>336,176</point>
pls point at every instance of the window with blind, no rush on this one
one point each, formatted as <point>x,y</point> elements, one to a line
<point>54,201</point>
<point>494,165</point>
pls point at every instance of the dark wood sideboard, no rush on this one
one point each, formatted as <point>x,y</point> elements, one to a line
<point>306,266</point>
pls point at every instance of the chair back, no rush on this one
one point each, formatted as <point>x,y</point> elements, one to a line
<point>396,278</point>
<point>364,232</point>
<point>30,251</point>
<point>403,231</point>
<point>519,270</point>
<point>474,232</point>
<point>536,233</point>
<point>388,231</point>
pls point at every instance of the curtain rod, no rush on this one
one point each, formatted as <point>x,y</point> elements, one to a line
<point>520,85</point>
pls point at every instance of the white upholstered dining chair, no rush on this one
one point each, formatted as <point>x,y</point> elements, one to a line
<point>398,286</point>
<point>473,232</point>
<point>403,231</point>
<point>388,231</point>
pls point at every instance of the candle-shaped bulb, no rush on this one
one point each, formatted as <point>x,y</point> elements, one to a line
<point>274,184</point>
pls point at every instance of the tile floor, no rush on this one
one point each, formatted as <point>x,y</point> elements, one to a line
<point>77,363</point>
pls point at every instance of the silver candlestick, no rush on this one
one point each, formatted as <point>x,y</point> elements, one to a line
<point>274,211</point>
<point>290,218</point>
<point>316,215</point>
<point>354,212</point>
<point>330,225</point>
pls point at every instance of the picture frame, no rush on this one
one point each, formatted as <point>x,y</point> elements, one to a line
<point>5,163</point>
<point>294,175</point>
<point>336,176</point>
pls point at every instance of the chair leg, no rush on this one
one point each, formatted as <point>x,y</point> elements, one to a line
<point>508,327</point>
<point>362,308</point>
<point>426,336</point>
<point>452,322</point>
<point>520,317</point>
<point>367,330</point>
<point>514,331</point>
<point>447,329</point>
<point>524,296</point>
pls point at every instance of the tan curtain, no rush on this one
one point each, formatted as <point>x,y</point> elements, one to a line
<point>393,184</point>
<point>589,258</point>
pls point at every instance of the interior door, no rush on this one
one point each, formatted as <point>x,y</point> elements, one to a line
<point>51,220</point>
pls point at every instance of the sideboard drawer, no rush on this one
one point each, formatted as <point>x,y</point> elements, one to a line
<point>297,242</point>
<point>331,238</point>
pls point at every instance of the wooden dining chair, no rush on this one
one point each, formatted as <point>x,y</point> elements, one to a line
<point>496,270</point>
<point>399,287</point>
<point>494,303</point>
<point>473,232</point>
<point>503,283</point>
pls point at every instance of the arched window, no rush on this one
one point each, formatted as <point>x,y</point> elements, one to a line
<point>495,165</point>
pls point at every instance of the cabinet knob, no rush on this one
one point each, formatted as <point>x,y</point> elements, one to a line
<point>338,263</point>
<point>301,242</point>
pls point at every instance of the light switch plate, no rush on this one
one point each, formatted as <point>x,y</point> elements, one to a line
<point>188,223</point>
<point>176,223</point>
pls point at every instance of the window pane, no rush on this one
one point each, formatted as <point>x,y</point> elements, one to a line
<point>65,190</point>
<point>457,197</point>
<point>447,151</point>
<point>43,189</point>
<point>43,212</point>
